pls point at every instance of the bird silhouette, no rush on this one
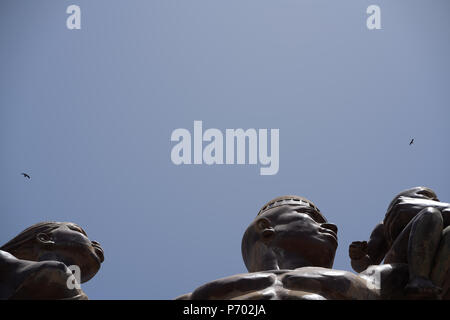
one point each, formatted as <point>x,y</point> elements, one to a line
<point>412,141</point>
<point>25,175</point>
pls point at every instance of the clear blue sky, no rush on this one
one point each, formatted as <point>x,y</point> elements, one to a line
<point>89,113</point>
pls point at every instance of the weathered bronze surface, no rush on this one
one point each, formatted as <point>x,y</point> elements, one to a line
<point>415,231</point>
<point>34,265</point>
<point>289,251</point>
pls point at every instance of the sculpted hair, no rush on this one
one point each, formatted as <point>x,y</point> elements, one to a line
<point>312,211</point>
<point>28,235</point>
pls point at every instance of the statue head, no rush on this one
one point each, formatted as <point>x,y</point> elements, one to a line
<point>289,232</point>
<point>406,204</point>
<point>58,241</point>
<point>417,193</point>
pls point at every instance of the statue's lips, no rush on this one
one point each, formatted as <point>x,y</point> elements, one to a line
<point>331,233</point>
<point>99,252</point>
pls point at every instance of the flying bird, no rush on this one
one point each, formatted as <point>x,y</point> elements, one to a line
<point>411,142</point>
<point>25,175</point>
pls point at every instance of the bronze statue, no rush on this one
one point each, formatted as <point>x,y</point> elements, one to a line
<point>415,231</point>
<point>289,250</point>
<point>35,264</point>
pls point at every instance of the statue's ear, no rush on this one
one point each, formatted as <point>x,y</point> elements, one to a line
<point>264,227</point>
<point>44,238</point>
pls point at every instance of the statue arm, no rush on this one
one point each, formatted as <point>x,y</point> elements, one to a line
<point>364,254</point>
<point>377,246</point>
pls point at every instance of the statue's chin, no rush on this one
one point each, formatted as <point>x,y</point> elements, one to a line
<point>90,266</point>
<point>83,256</point>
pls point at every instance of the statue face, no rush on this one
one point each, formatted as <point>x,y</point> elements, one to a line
<point>292,229</point>
<point>73,247</point>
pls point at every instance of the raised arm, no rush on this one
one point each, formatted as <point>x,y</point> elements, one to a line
<point>364,254</point>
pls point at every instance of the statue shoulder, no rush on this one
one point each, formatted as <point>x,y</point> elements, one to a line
<point>45,280</point>
<point>7,261</point>
<point>8,266</point>
<point>233,286</point>
<point>332,284</point>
